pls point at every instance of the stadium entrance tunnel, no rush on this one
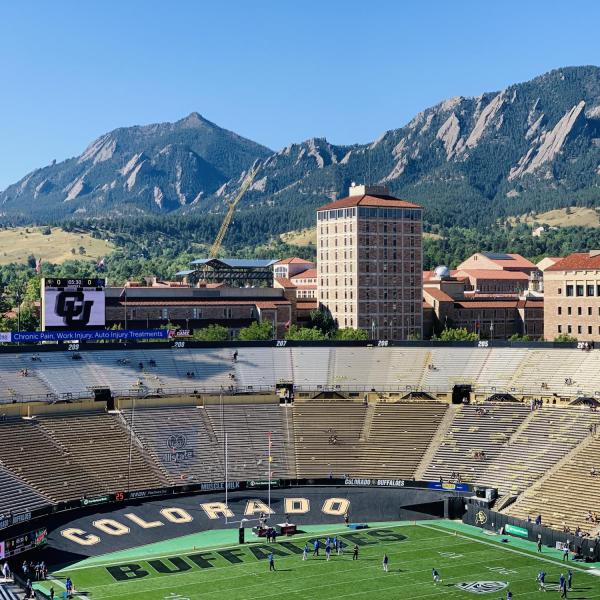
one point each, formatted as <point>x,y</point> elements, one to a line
<point>461,394</point>
<point>101,530</point>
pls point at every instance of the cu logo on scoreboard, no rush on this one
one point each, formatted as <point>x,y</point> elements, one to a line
<point>73,308</point>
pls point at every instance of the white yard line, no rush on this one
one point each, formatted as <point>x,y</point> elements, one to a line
<point>514,550</point>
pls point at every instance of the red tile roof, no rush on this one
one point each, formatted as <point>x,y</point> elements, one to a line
<point>516,261</point>
<point>294,260</point>
<point>367,200</point>
<point>437,294</point>
<point>578,261</point>
<point>493,274</point>
<point>285,283</point>
<point>308,274</point>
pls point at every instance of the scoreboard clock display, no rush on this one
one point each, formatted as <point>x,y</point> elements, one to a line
<point>23,542</point>
<point>73,303</point>
<point>64,282</point>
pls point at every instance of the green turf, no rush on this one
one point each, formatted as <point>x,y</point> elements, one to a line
<point>459,555</point>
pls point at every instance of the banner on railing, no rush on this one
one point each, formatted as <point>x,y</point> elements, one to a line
<point>93,335</point>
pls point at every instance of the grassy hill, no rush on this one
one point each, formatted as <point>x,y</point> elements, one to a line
<point>18,243</point>
<point>574,216</point>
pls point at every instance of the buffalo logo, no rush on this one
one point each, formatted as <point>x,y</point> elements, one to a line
<point>177,442</point>
<point>480,518</point>
<point>73,308</point>
<point>482,587</point>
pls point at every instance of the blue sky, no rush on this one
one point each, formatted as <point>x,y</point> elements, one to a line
<point>274,71</point>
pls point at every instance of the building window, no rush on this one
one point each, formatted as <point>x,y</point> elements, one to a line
<point>589,312</point>
<point>579,310</point>
<point>165,313</point>
<point>568,310</point>
<point>590,329</point>
<point>590,290</point>
<point>560,328</point>
<point>578,328</point>
<point>569,329</point>
<point>569,290</point>
<point>560,310</point>
<point>579,290</point>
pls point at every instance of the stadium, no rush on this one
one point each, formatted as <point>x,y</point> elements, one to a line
<point>155,469</point>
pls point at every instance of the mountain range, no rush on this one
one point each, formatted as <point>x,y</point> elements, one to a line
<point>469,160</point>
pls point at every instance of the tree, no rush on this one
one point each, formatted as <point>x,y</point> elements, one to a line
<point>351,334</point>
<point>305,334</point>
<point>459,334</point>
<point>212,333</point>
<point>517,337</point>
<point>256,332</point>
<point>323,321</point>
<point>565,338</point>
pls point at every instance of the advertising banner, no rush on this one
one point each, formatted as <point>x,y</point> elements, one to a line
<point>92,335</point>
<point>516,530</point>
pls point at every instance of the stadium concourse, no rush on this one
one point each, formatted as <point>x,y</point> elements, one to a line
<point>521,420</point>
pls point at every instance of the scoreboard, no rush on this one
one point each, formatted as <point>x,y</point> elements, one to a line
<point>73,303</point>
<point>23,542</point>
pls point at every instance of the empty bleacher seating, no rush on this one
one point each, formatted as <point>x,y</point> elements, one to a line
<point>103,445</point>
<point>566,495</point>
<point>477,436</point>
<point>544,438</point>
<point>327,436</point>
<point>396,437</point>
<point>181,440</point>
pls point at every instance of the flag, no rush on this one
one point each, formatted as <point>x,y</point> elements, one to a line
<point>38,265</point>
<point>100,264</point>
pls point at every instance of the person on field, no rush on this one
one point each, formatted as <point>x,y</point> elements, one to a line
<point>542,580</point>
<point>305,551</point>
<point>271,559</point>
<point>385,562</point>
<point>436,576</point>
<point>355,552</point>
<point>316,548</point>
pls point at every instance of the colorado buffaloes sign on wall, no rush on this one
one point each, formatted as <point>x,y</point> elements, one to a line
<point>72,303</point>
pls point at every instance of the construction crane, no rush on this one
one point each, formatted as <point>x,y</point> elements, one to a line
<point>248,180</point>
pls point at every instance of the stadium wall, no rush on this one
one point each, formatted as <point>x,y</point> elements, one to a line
<point>478,515</point>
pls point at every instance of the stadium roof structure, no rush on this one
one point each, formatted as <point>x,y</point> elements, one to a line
<point>236,272</point>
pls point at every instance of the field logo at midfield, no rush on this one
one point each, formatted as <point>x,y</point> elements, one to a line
<point>482,587</point>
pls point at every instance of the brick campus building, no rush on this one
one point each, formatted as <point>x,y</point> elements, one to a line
<point>369,263</point>
<point>572,297</point>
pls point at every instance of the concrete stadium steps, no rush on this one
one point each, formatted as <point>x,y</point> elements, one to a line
<point>247,427</point>
<point>99,441</point>
<point>180,442</point>
<point>547,435</point>
<point>316,423</point>
<point>499,368</point>
<point>257,368</point>
<point>311,367</point>
<point>565,495</point>
<point>471,433</point>
<point>16,496</point>
<point>460,366</point>
<point>551,368</point>
<point>29,452</point>
<point>399,435</point>
<point>14,386</point>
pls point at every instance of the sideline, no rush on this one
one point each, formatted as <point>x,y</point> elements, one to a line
<point>553,561</point>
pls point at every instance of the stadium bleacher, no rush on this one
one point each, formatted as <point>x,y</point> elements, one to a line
<point>378,412</point>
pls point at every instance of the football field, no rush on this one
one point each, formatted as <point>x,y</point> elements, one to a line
<point>470,564</point>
